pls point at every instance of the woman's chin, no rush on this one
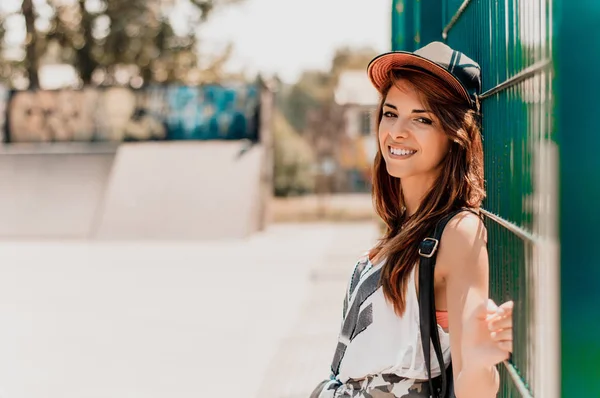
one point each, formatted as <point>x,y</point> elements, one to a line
<point>397,172</point>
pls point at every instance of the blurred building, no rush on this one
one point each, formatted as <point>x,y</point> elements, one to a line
<point>357,144</point>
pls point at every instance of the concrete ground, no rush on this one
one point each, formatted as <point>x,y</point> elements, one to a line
<point>242,318</point>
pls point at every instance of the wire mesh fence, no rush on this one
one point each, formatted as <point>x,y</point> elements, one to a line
<point>512,42</point>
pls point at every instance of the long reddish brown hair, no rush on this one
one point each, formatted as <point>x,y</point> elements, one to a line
<point>459,184</point>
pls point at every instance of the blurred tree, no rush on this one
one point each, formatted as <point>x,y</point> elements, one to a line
<point>315,89</point>
<point>32,49</point>
<point>294,160</point>
<point>100,36</point>
<point>139,33</point>
<point>348,58</point>
<point>310,91</point>
<point>310,107</point>
<point>3,62</point>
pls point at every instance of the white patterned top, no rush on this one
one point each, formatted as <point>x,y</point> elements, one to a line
<point>373,339</point>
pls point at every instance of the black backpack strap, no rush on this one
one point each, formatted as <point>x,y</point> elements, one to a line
<point>428,321</point>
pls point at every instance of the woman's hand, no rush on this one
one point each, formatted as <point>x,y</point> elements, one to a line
<point>488,335</point>
<point>500,324</point>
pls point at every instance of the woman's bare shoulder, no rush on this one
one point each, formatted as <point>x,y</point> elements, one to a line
<point>464,237</point>
<point>465,228</point>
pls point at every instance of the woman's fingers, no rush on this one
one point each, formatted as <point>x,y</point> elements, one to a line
<point>506,308</point>
<point>506,345</point>
<point>503,311</point>
<point>498,323</point>
<point>491,307</point>
<point>499,320</point>
<point>502,335</point>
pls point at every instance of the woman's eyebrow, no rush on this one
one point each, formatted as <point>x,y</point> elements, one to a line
<point>413,111</point>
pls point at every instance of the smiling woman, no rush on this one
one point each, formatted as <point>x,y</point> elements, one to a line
<point>423,124</point>
<point>412,140</point>
<point>428,187</point>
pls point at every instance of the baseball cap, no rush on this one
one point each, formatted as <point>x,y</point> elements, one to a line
<point>437,58</point>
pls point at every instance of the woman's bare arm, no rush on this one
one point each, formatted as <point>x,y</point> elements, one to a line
<point>463,264</point>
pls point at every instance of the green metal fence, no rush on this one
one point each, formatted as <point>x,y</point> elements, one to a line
<point>513,42</point>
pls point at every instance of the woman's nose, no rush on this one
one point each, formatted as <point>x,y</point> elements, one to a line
<point>398,130</point>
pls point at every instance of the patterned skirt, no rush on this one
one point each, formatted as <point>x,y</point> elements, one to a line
<point>379,386</point>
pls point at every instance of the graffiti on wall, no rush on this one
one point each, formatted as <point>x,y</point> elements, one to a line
<point>122,114</point>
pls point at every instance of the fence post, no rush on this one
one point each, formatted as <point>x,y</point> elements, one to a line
<point>431,21</point>
<point>577,55</point>
<point>398,25</point>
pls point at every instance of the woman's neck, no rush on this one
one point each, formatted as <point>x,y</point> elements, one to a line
<point>414,190</point>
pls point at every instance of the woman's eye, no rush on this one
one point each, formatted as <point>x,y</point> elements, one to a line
<point>389,114</point>
<point>424,120</point>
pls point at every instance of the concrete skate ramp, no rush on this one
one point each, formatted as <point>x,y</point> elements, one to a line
<point>52,192</point>
<point>182,190</point>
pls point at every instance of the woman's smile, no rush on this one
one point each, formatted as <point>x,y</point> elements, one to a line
<point>400,153</point>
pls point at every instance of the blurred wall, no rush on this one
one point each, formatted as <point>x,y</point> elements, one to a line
<point>123,114</point>
<point>52,194</point>
<point>182,190</point>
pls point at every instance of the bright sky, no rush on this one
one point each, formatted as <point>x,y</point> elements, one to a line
<point>277,36</point>
<point>288,36</point>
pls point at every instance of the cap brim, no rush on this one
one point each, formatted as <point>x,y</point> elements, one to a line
<point>379,68</point>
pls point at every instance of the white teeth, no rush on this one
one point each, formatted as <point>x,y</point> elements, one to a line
<point>401,152</point>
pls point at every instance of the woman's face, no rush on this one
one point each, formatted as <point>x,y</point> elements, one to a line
<point>411,139</point>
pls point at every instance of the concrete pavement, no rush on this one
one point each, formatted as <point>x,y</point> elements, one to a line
<point>247,318</point>
<point>304,355</point>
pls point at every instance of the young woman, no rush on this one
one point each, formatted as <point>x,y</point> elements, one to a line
<point>429,164</point>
